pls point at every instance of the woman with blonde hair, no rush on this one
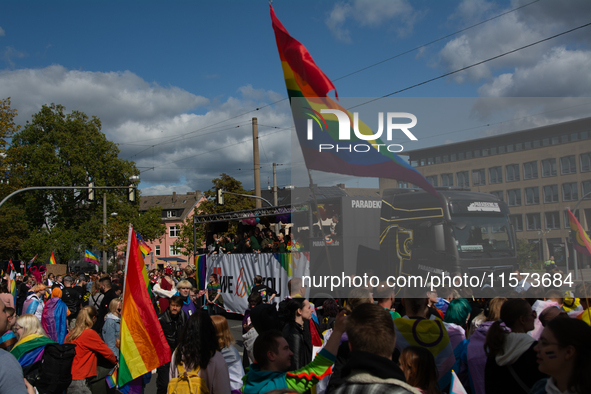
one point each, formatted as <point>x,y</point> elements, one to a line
<point>112,325</point>
<point>31,340</point>
<point>34,304</point>
<point>96,297</point>
<point>88,345</point>
<point>231,355</point>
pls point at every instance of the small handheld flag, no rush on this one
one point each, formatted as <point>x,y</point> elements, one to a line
<point>31,262</point>
<point>91,257</point>
<point>456,385</point>
<point>143,245</point>
<point>52,259</point>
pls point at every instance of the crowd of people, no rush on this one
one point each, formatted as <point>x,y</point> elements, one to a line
<point>536,341</point>
<point>257,240</point>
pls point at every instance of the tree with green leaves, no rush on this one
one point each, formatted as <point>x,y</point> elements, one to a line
<point>527,254</point>
<point>57,148</point>
<point>231,203</point>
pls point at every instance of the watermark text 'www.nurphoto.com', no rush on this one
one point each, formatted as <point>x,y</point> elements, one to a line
<point>435,281</point>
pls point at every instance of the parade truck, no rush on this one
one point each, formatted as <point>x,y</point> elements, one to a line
<point>411,232</point>
<point>461,232</point>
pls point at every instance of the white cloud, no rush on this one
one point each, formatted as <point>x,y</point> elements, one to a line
<point>176,148</point>
<point>559,73</point>
<point>550,68</point>
<point>2,32</point>
<point>372,13</point>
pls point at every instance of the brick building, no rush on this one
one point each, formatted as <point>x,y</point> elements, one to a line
<point>538,172</point>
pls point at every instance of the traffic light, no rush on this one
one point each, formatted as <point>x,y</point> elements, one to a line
<point>91,191</point>
<point>220,199</point>
<point>131,193</point>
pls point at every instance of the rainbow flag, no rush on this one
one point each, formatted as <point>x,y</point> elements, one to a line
<point>31,262</point>
<point>284,260</point>
<point>91,257</point>
<point>143,345</point>
<point>12,280</point>
<point>143,245</point>
<point>581,243</point>
<point>201,274</point>
<point>52,259</point>
<point>304,79</point>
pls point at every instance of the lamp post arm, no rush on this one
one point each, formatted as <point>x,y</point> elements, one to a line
<point>60,188</point>
<point>248,195</point>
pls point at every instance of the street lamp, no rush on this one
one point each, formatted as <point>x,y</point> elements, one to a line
<point>543,233</point>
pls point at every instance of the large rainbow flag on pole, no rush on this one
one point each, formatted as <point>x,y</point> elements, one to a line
<point>143,345</point>
<point>304,79</point>
<point>201,272</point>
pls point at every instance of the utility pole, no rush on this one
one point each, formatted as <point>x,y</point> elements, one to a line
<point>257,167</point>
<point>105,232</point>
<point>277,225</point>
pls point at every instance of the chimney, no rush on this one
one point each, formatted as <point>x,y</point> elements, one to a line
<point>341,186</point>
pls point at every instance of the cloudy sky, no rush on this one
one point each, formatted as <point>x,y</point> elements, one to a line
<point>177,83</point>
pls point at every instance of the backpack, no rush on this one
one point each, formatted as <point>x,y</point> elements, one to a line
<point>187,383</point>
<point>54,374</point>
<point>72,299</point>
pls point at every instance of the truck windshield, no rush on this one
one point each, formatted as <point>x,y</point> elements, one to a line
<point>482,234</point>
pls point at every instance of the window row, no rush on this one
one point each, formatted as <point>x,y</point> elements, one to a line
<point>550,194</point>
<point>497,150</point>
<point>172,250</point>
<point>533,221</point>
<point>512,172</point>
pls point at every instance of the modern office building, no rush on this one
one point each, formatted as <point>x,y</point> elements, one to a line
<point>539,173</point>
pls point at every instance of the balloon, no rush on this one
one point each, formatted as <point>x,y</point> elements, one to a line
<point>257,220</point>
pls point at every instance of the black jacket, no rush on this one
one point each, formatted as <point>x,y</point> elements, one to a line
<point>172,327</point>
<point>499,379</point>
<point>300,343</point>
<point>104,310</point>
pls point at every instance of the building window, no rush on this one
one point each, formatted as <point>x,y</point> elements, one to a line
<point>570,191</point>
<point>514,197</point>
<point>171,214</point>
<point>453,157</point>
<point>461,156</point>
<point>469,155</point>
<point>157,250</point>
<point>586,188</point>
<point>533,221</point>
<point>550,194</point>
<point>555,140</point>
<point>574,137</point>
<point>447,179</point>
<point>174,250</point>
<point>493,150</point>
<point>552,220</point>
<point>477,153</point>
<point>566,222</point>
<point>445,158</point>
<point>433,180</point>
<point>586,162</point>
<point>530,170</point>
<point>519,146</point>
<point>403,185</point>
<point>423,162</point>
<point>549,167</point>
<point>430,161</point>
<point>532,195</point>
<point>174,231</point>
<point>478,177</point>
<point>537,143</point>
<point>568,165</point>
<point>502,149</point>
<point>563,139</point>
<point>499,195</point>
<point>527,144</point>
<point>463,179</point>
<point>512,172</point>
<point>495,175</point>
<point>510,148</point>
<point>517,222</point>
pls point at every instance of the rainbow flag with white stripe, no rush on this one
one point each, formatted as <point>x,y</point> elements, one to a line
<point>143,345</point>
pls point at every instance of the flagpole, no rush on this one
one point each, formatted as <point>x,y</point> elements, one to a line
<point>127,259</point>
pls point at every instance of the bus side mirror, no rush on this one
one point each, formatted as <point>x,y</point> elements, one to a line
<point>439,237</point>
